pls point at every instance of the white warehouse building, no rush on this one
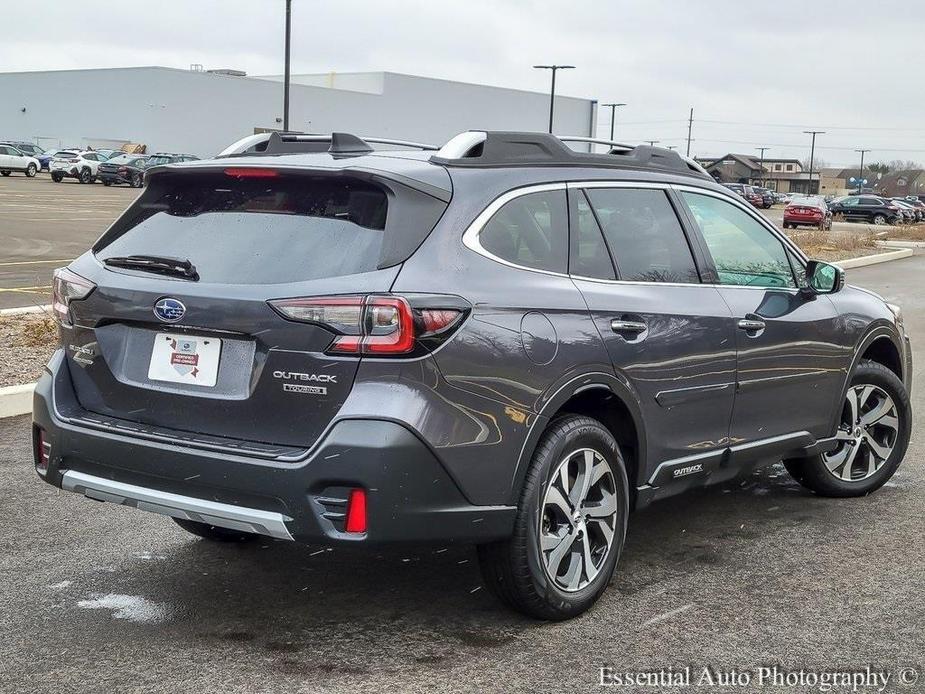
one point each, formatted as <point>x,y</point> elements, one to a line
<point>200,112</point>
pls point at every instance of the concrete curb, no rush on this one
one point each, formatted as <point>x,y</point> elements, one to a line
<point>16,400</point>
<point>874,259</point>
<point>25,309</point>
<point>900,244</point>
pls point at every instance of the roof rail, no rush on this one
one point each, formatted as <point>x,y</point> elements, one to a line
<point>300,143</point>
<point>479,149</point>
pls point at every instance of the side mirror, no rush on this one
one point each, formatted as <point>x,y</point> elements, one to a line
<point>823,278</point>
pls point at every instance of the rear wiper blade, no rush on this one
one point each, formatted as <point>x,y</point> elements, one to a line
<point>159,265</point>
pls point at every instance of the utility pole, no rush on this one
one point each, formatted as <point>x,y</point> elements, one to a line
<point>762,150</point>
<point>613,116</point>
<point>690,125</point>
<point>861,171</point>
<point>672,147</point>
<point>286,75</point>
<point>552,89</point>
<point>652,142</point>
<point>812,152</point>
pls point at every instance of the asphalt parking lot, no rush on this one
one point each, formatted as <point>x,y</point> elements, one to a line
<point>99,598</point>
<point>44,225</point>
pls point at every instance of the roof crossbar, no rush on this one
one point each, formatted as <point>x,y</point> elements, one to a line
<point>301,143</point>
<point>481,149</point>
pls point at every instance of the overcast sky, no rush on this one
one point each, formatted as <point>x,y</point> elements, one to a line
<point>756,73</point>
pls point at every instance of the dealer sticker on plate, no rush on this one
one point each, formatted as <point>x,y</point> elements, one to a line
<point>185,359</point>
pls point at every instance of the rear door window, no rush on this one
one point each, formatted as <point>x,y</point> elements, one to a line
<point>531,230</point>
<point>270,230</point>
<point>588,256</point>
<point>644,235</point>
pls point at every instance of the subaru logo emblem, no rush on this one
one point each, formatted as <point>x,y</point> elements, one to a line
<point>169,310</point>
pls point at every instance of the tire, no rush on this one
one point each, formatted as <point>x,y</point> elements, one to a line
<point>788,225</point>
<point>214,532</point>
<point>879,219</point>
<point>107,183</point>
<point>136,181</point>
<point>30,170</point>
<point>57,177</point>
<point>880,446</point>
<point>6,173</point>
<point>515,570</point>
<point>85,176</point>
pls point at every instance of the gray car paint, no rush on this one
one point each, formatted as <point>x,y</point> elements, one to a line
<point>693,385</point>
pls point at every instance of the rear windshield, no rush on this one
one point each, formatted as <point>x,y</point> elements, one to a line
<point>256,231</point>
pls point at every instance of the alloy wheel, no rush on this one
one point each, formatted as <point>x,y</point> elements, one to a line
<point>866,436</point>
<point>578,519</point>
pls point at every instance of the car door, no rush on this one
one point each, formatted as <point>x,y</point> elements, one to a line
<point>791,362</point>
<point>6,158</point>
<point>92,161</point>
<point>669,336</point>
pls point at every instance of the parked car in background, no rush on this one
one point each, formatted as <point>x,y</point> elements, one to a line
<point>80,165</point>
<point>866,208</point>
<point>28,148</point>
<point>46,157</point>
<point>812,212</point>
<point>747,192</point>
<point>124,168</point>
<point>12,159</point>
<point>169,158</point>
<point>911,210</point>
<point>767,196</point>
<point>107,154</point>
<point>919,205</point>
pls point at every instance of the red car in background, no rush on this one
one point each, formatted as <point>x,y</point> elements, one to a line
<point>809,212</point>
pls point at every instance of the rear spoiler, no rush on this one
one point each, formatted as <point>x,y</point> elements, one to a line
<point>381,176</point>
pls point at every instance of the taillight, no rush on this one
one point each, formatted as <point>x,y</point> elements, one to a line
<point>356,512</point>
<point>42,451</point>
<point>375,325</point>
<point>68,286</point>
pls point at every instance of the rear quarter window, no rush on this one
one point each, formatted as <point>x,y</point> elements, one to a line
<point>531,230</point>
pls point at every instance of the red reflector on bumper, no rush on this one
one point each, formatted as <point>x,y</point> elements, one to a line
<point>42,451</point>
<point>356,511</point>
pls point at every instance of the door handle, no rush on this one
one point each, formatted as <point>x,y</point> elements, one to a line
<point>627,326</point>
<point>751,325</point>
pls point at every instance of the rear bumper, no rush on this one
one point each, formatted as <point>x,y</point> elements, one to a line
<point>68,171</point>
<point>798,219</point>
<point>411,498</point>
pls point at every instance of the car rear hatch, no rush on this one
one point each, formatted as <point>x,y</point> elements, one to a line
<point>190,342</point>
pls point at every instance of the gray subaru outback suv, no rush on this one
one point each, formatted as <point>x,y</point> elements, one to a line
<point>505,342</point>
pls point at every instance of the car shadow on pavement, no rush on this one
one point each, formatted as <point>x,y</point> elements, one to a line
<point>313,609</point>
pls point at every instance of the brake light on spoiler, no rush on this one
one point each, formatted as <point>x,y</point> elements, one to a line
<point>372,325</point>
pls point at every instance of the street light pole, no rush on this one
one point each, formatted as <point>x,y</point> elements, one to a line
<point>812,152</point>
<point>552,89</point>
<point>286,75</point>
<point>762,150</point>
<point>861,171</point>
<point>613,116</point>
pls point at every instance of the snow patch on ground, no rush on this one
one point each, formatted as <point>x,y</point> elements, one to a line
<point>148,556</point>
<point>134,608</point>
<point>60,586</point>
